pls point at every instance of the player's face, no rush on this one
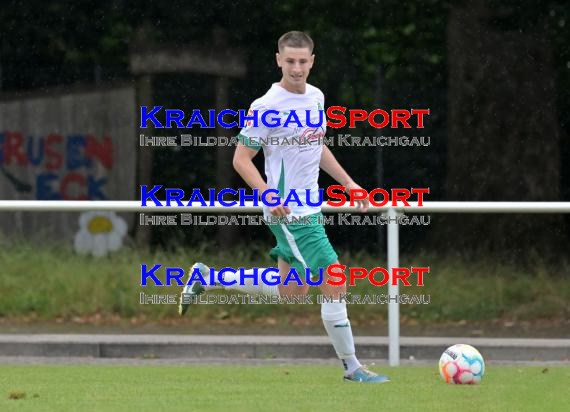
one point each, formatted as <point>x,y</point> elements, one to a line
<point>295,63</point>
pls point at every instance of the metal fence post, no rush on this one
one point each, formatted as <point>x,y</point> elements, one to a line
<point>393,290</point>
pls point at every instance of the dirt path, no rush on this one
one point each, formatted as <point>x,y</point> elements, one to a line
<point>288,326</point>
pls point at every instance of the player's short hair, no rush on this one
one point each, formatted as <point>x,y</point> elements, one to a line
<point>296,39</point>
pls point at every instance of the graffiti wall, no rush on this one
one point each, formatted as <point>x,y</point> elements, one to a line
<point>65,145</point>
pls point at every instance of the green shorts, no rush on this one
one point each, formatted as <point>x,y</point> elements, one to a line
<point>303,246</point>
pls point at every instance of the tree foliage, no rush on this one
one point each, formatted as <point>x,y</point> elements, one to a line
<point>368,53</point>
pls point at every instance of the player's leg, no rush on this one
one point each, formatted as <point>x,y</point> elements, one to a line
<point>282,253</point>
<point>292,288</point>
<point>248,286</point>
<point>212,278</point>
<point>337,325</point>
<point>311,249</point>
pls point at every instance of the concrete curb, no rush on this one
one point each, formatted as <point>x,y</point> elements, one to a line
<point>267,347</point>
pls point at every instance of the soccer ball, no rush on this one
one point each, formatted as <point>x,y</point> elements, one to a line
<point>461,364</point>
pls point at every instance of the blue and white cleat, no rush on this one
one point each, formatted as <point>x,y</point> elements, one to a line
<point>193,289</point>
<point>363,374</point>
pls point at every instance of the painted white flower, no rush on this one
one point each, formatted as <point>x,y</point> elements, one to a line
<point>99,233</point>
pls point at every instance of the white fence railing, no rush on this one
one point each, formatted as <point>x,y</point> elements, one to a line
<point>392,232</point>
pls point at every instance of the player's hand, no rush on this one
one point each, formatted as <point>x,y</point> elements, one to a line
<point>279,210</point>
<point>361,205</point>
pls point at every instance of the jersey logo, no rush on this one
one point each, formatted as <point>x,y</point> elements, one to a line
<point>313,133</point>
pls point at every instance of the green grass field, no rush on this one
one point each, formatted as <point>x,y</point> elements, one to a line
<point>68,286</point>
<point>275,388</point>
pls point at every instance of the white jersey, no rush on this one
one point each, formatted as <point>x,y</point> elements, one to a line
<point>291,161</point>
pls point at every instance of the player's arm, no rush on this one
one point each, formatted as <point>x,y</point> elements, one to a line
<point>243,164</point>
<point>333,168</point>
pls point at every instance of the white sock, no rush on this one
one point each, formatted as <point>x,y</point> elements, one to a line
<point>248,286</point>
<point>335,319</point>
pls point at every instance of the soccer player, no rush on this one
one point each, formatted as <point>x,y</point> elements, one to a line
<point>295,167</point>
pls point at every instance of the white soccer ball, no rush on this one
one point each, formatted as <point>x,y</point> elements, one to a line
<point>461,364</point>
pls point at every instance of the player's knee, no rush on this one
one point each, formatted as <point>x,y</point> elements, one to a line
<point>333,290</point>
<point>333,285</point>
